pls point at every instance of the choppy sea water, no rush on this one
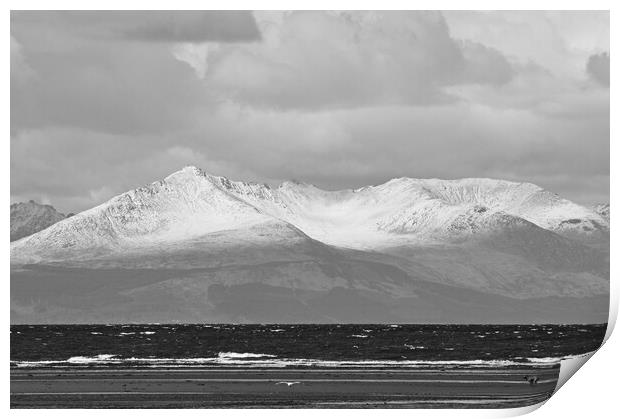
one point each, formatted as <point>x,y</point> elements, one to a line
<point>275,345</point>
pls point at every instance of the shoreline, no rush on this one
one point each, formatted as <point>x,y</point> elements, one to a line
<point>248,387</point>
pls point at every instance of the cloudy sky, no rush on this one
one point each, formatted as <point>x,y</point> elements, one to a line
<point>102,102</point>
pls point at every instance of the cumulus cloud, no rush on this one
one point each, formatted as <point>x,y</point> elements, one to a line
<point>598,68</point>
<point>370,145</point>
<point>559,41</point>
<point>195,55</point>
<point>351,59</point>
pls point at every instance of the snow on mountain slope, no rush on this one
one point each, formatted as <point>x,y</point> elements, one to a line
<point>417,210</point>
<point>186,204</point>
<point>191,203</point>
<point>30,217</point>
<point>272,241</point>
<point>524,200</point>
<point>603,211</point>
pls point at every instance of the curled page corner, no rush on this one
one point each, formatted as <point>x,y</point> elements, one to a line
<point>516,411</point>
<point>569,366</point>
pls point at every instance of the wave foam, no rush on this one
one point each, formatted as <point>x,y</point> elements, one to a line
<point>237,355</point>
<point>270,361</point>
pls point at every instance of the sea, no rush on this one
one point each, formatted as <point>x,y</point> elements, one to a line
<point>299,345</point>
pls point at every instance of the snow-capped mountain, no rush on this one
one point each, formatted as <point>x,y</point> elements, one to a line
<point>420,210</point>
<point>30,217</point>
<point>191,203</point>
<point>213,244</point>
<point>184,205</point>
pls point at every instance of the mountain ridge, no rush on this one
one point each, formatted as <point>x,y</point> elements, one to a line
<point>196,233</point>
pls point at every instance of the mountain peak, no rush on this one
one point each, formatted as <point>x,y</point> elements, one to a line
<point>187,171</point>
<point>31,217</point>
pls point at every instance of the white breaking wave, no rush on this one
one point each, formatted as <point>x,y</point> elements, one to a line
<point>88,360</point>
<point>99,359</point>
<point>551,359</point>
<point>266,360</point>
<point>237,355</point>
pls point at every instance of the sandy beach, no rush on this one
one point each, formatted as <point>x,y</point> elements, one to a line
<point>242,387</point>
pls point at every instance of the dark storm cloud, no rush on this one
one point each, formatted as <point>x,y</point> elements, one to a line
<point>191,26</point>
<point>115,89</point>
<point>598,68</point>
<point>74,69</point>
<point>84,69</point>
<point>147,26</point>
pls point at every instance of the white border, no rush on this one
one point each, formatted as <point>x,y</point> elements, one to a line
<point>592,393</point>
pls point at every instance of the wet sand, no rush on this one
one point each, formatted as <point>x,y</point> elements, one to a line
<point>242,387</point>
